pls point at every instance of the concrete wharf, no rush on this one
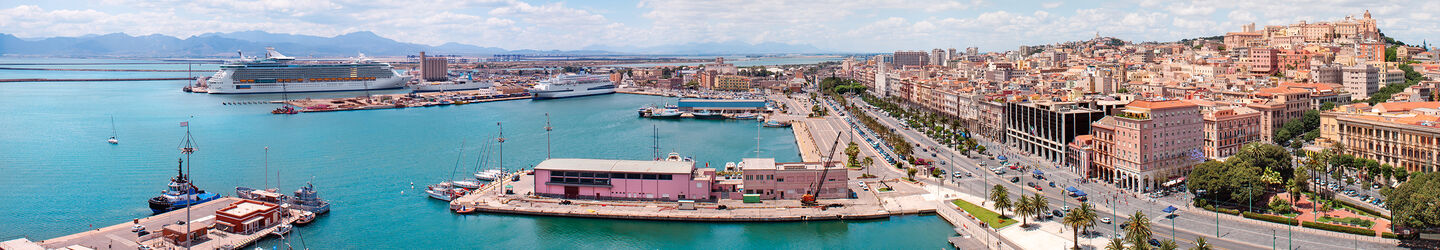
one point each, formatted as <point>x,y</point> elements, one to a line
<point>120,235</point>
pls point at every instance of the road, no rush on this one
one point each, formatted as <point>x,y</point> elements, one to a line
<point>1233,232</point>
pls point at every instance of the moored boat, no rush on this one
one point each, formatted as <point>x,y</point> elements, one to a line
<point>705,114</point>
<point>776,124</point>
<point>665,114</point>
<point>489,175</point>
<point>443,191</point>
<point>179,194</point>
<point>747,116</point>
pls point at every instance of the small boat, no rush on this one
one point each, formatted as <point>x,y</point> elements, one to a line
<point>286,110</point>
<point>706,114</point>
<point>281,230</point>
<point>306,218</point>
<point>776,124</point>
<point>665,114</point>
<point>747,116</point>
<point>112,139</point>
<point>490,175</point>
<point>464,210</point>
<point>467,184</point>
<point>443,191</point>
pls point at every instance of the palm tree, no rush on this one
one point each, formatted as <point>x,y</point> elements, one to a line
<point>1139,228</point>
<point>1200,244</point>
<point>1024,207</point>
<point>1139,244</point>
<point>1080,219</point>
<point>1115,244</point>
<point>1168,245</point>
<point>1039,204</point>
<point>1001,198</point>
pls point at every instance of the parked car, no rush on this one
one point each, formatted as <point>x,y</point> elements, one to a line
<point>137,228</point>
<point>1015,179</point>
<point>1154,242</point>
<point>1057,213</point>
<point>1105,220</point>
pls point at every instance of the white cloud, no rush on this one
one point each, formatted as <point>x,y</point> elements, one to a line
<point>1051,5</point>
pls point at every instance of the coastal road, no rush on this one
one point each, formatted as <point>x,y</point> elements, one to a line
<point>1235,233</point>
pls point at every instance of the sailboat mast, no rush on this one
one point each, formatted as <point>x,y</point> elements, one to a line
<point>113,134</point>
<point>500,155</point>
<point>656,136</point>
<point>457,159</point>
<point>267,169</point>
<point>547,135</point>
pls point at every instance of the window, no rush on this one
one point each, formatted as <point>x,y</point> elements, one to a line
<point>602,175</point>
<point>587,174</point>
<point>632,176</point>
<point>651,177</point>
<point>665,177</point>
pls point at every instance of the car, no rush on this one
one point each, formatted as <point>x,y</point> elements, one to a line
<point>137,228</point>
<point>1123,225</point>
<point>999,172</point>
<point>1012,167</point>
<point>934,155</point>
<point>1057,213</point>
<point>1015,179</point>
<point>1038,188</point>
<point>1065,208</point>
<point>1153,242</point>
<point>1052,184</point>
<point>1105,220</point>
<point>969,175</point>
<point>1375,186</point>
<point>1081,199</point>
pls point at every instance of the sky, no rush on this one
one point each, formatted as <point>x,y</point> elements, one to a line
<point>832,25</point>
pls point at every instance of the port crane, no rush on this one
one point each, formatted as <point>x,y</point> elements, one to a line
<point>809,199</point>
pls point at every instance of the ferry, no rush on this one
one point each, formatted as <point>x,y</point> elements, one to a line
<point>573,85</point>
<point>180,194</point>
<point>277,73</point>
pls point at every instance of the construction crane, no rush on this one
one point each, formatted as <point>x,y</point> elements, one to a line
<point>809,198</point>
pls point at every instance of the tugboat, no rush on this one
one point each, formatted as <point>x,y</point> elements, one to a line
<point>181,194</point>
<point>307,199</point>
<point>706,114</point>
<point>286,110</point>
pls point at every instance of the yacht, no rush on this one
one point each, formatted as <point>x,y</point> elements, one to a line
<point>490,175</point>
<point>443,191</point>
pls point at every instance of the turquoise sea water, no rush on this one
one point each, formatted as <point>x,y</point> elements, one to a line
<point>58,176</point>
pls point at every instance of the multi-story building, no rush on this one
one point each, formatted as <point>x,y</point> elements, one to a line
<point>1329,73</point>
<point>992,120</point>
<point>1263,60</point>
<point>1228,128</point>
<point>910,58</point>
<point>792,180</point>
<point>1361,80</point>
<point>433,68</point>
<point>1277,106</point>
<point>1401,134</point>
<point>1147,145</point>
<point>1044,128</point>
<point>733,83</point>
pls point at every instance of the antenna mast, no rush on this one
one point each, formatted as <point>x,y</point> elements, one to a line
<point>501,152</point>
<point>657,141</point>
<point>187,147</point>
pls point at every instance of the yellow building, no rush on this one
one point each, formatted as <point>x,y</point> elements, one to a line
<point>1402,134</point>
<point>733,83</point>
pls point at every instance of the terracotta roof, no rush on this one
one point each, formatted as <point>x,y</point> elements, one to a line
<point>1405,106</point>
<point>1161,104</point>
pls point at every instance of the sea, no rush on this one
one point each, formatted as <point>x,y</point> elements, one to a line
<point>58,176</point>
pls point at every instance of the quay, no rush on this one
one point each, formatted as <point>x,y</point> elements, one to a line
<point>512,197</point>
<point>203,218</point>
<point>392,101</point>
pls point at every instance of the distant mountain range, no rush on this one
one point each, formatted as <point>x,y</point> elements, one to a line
<point>254,42</point>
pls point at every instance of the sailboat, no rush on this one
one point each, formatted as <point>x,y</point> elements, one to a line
<point>446,190</point>
<point>112,139</point>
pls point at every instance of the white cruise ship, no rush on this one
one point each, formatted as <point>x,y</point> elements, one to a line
<point>572,85</point>
<point>277,73</point>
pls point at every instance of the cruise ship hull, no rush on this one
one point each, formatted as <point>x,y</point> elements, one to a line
<point>554,94</point>
<point>379,84</point>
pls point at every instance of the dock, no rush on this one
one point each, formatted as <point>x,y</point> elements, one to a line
<point>493,199</point>
<point>808,151</point>
<point>120,235</point>
<point>393,101</point>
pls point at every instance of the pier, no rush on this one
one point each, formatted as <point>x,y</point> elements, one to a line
<point>393,101</point>
<point>121,236</point>
<point>869,205</point>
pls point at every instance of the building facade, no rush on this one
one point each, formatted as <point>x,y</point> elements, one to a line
<point>1043,129</point>
<point>791,180</point>
<point>600,179</point>
<point>1148,145</point>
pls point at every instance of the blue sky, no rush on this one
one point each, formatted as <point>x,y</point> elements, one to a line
<point>837,25</point>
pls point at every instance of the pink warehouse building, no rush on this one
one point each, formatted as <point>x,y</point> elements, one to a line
<point>793,179</point>
<point>601,179</point>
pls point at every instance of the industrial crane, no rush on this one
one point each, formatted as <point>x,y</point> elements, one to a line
<point>809,198</point>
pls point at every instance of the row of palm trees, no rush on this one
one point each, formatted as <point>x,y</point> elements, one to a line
<point>1082,218</point>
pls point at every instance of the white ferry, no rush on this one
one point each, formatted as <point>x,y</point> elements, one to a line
<point>572,85</point>
<point>277,73</point>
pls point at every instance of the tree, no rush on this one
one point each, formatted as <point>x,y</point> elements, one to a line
<point>1327,106</point>
<point>1138,228</point>
<point>1079,219</point>
<point>1266,156</point>
<point>1024,207</point>
<point>867,162</point>
<point>1001,198</point>
<point>911,172</point>
<point>1416,203</point>
<point>1401,174</point>
<point>1040,204</point>
<point>1200,244</point>
<point>1168,245</point>
<point>1280,205</point>
<point>1115,244</point>
<point>851,152</point>
<point>1224,181</point>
